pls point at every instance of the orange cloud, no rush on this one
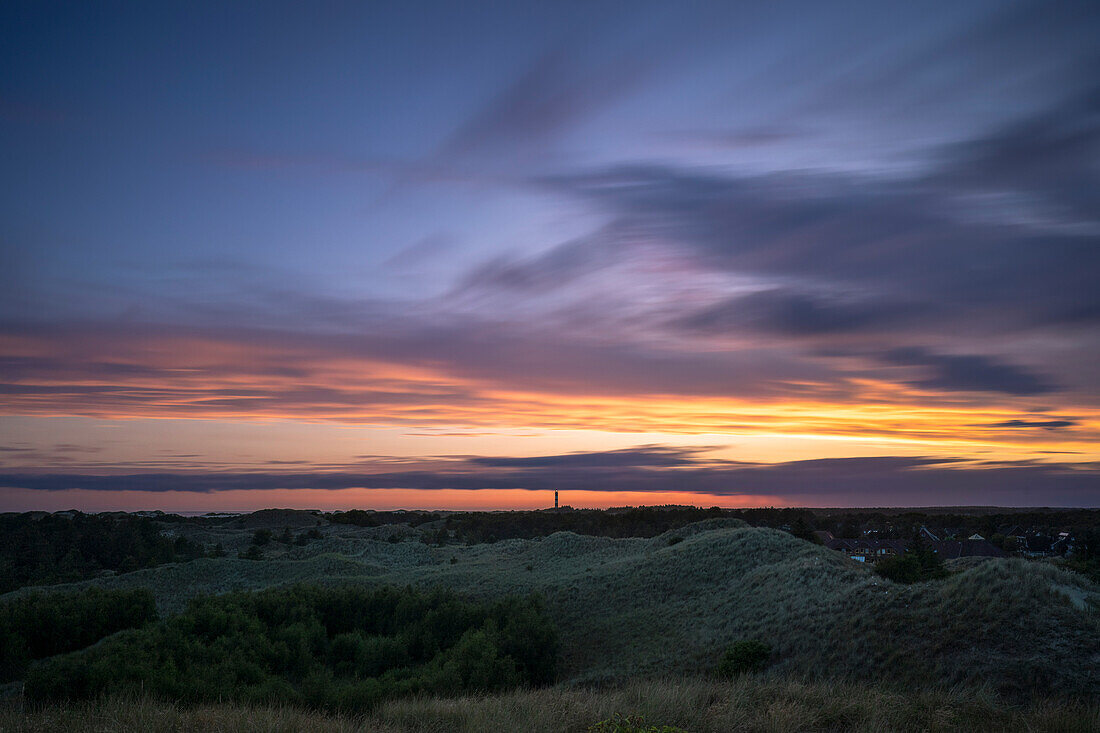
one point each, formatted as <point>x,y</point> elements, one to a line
<point>174,374</point>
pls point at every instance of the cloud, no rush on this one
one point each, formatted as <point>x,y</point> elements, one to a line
<point>971,272</point>
<point>967,373</point>
<point>1043,424</point>
<point>388,366</point>
<point>789,312</point>
<point>851,236</point>
<point>562,264</point>
<point>738,138</point>
<point>873,481</point>
<point>1048,156</point>
<point>992,244</point>
<point>649,457</point>
<point>549,97</point>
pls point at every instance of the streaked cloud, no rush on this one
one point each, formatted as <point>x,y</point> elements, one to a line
<point>893,481</point>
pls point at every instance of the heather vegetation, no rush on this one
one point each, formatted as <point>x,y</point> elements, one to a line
<point>336,648</point>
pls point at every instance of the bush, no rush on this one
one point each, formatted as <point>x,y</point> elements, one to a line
<point>334,648</point>
<point>744,657</point>
<point>261,537</point>
<point>38,625</point>
<point>252,553</point>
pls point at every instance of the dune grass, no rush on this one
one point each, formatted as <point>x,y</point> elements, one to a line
<point>695,705</point>
<point>643,607</point>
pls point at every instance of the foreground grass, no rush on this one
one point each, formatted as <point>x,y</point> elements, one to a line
<point>696,705</point>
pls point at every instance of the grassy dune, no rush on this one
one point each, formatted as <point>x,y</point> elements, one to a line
<point>645,607</point>
<point>697,706</point>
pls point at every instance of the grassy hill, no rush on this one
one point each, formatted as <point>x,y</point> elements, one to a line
<point>629,608</point>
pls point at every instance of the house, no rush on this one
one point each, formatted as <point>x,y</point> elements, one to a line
<point>927,534</point>
<point>1037,545</point>
<point>1062,544</point>
<point>1014,531</point>
<point>954,549</point>
<point>866,550</point>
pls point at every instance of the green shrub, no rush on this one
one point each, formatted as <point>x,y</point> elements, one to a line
<point>333,648</point>
<point>252,553</point>
<point>744,657</point>
<point>40,625</point>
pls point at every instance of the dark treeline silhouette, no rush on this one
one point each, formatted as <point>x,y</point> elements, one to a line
<point>477,527</point>
<point>364,518</point>
<point>56,548</point>
<point>337,648</point>
<point>904,523</point>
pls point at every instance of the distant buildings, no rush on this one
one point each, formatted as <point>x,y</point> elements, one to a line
<point>872,550</point>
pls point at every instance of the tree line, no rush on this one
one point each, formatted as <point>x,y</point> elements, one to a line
<point>41,550</point>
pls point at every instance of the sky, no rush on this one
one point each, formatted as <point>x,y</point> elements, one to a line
<point>460,255</point>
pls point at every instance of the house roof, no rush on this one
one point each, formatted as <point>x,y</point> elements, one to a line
<point>967,548</point>
<point>947,549</point>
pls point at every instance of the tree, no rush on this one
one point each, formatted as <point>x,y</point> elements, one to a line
<point>802,530</point>
<point>919,563</point>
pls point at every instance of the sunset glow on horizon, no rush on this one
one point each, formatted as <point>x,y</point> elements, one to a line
<point>447,257</point>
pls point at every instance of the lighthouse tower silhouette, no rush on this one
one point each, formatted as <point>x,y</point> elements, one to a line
<point>555,499</point>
